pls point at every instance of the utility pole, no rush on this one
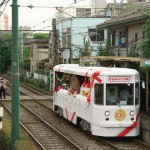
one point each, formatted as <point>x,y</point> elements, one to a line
<point>15,75</point>
<point>55,49</point>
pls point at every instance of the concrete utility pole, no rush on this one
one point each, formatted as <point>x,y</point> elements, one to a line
<point>55,52</point>
<point>15,76</point>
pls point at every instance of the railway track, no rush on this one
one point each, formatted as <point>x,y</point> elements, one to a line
<point>76,136</point>
<point>83,140</point>
<point>116,143</point>
<point>44,134</point>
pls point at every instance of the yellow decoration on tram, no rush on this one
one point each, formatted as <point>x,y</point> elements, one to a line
<point>120,115</point>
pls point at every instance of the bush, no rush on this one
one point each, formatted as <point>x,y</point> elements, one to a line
<point>24,145</point>
<point>4,141</point>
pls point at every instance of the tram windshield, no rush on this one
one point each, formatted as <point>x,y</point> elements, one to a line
<point>121,94</point>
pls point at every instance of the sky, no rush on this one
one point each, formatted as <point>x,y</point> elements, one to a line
<point>41,15</point>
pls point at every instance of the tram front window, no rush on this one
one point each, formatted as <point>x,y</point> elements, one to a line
<point>119,94</point>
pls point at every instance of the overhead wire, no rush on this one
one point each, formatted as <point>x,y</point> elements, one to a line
<point>81,17</point>
<point>102,9</point>
<point>54,15</point>
<point>44,21</point>
<point>1,4</point>
<point>6,3</point>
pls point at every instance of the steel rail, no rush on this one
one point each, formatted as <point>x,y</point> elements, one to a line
<point>30,134</point>
<point>55,130</point>
<point>142,144</point>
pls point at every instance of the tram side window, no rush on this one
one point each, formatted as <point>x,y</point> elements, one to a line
<point>58,76</point>
<point>98,94</point>
<point>137,94</point>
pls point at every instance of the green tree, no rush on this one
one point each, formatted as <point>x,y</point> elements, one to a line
<point>104,51</point>
<point>145,46</point>
<point>40,36</point>
<point>86,50</point>
<point>5,52</point>
<point>83,51</point>
<point>133,49</point>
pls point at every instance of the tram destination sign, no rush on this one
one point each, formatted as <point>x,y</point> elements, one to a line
<point>119,78</point>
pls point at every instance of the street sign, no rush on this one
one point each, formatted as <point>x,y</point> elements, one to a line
<point>147,63</point>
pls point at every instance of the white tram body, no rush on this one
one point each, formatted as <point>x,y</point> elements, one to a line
<point>91,111</point>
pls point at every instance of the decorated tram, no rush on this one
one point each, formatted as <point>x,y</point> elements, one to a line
<point>82,95</point>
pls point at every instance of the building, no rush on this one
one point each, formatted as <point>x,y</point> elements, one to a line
<point>73,29</point>
<point>125,31</point>
<point>25,34</point>
<point>98,7</point>
<point>72,33</point>
<point>4,21</point>
<point>83,12</point>
<point>73,12</point>
<point>39,54</point>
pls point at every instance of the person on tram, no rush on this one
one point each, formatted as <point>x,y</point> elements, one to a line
<point>112,99</point>
<point>124,94</point>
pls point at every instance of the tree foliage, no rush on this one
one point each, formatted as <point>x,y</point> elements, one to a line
<point>145,46</point>
<point>40,36</point>
<point>85,51</point>
<point>26,59</point>
<point>26,53</point>
<point>134,50</point>
<point>5,51</point>
<point>104,51</point>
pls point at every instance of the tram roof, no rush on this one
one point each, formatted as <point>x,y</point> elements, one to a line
<point>88,71</point>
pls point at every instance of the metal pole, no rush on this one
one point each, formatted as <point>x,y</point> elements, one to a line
<point>15,76</point>
<point>55,41</point>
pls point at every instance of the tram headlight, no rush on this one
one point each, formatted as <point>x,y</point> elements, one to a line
<point>107,113</point>
<point>132,113</point>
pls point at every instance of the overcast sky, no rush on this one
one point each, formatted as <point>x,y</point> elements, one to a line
<point>39,18</point>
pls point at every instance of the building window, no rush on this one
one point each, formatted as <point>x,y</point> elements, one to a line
<point>96,35</point>
<point>43,46</point>
<point>65,61</point>
<point>50,55</point>
<point>136,37</point>
<point>144,35</point>
<point>111,38</point>
<point>31,51</point>
<point>122,39</point>
<point>41,65</point>
<point>66,39</point>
